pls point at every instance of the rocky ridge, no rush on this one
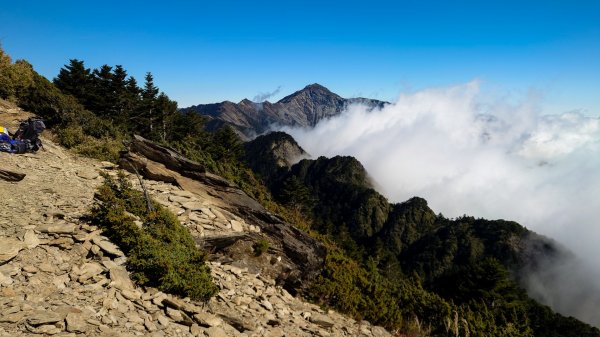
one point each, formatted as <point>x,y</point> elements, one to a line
<point>303,108</point>
<point>60,276</point>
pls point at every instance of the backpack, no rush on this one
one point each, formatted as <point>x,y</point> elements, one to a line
<point>29,133</point>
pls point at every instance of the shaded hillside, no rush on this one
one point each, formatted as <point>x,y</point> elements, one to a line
<point>272,154</point>
<point>473,263</point>
<point>303,108</point>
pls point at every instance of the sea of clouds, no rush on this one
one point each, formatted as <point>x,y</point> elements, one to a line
<point>492,157</point>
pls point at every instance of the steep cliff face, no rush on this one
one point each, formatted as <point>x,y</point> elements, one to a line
<point>303,108</point>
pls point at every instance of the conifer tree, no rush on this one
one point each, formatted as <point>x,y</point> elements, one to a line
<point>75,79</point>
<point>132,100</point>
<point>227,145</point>
<point>102,99</point>
<point>166,109</point>
<point>148,112</point>
<point>119,90</point>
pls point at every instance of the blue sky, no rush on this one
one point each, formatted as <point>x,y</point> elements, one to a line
<point>207,51</point>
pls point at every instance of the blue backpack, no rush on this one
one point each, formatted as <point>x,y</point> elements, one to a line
<point>26,139</point>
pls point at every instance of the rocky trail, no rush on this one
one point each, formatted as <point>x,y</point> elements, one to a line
<point>60,276</point>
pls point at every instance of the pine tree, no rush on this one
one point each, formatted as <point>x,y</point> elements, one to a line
<point>75,79</point>
<point>294,193</point>
<point>119,89</point>
<point>148,112</point>
<point>102,98</point>
<point>227,145</point>
<point>132,101</point>
<point>165,114</point>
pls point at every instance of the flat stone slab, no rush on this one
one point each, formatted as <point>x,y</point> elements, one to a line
<point>107,246</point>
<point>322,320</point>
<point>88,174</point>
<point>9,248</point>
<point>58,229</point>
<point>44,317</point>
<point>120,279</point>
<point>193,205</point>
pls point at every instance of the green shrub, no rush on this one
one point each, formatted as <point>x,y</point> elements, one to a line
<point>162,253</point>
<point>260,247</point>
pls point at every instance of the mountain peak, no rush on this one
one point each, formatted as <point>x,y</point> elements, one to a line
<point>311,91</point>
<point>315,86</point>
<point>303,108</point>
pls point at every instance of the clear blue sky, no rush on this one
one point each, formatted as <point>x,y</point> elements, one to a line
<point>207,51</point>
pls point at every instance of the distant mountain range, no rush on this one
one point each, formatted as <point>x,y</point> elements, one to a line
<point>303,108</point>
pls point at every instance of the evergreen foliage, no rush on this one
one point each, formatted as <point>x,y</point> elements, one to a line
<point>162,253</point>
<point>455,275</point>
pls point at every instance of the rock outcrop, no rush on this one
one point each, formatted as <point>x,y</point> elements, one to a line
<point>301,255</point>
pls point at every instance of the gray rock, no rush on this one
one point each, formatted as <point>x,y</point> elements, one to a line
<point>183,193</point>
<point>89,270</point>
<point>207,319</point>
<point>64,228</point>
<point>131,294</point>
<point>9,248</point>
<point>215,331</point>
<point>218,214</point>
<point>107,246</point>
<point>87,174</point>
<point>163,320</point>
<point>133,317</point>
<point>63,242</point>
<point>76,323</point>
<point>47,267</point>
<point>30,239</point>
<point>240,324</point>
<point>150,326</point>
<point>193,205</point>
<point>236,226</point>
<point>5,280</point>
<point>120,278</point>
<point>179,316</point>
<point>47,329</point>
<point>196,331</point>
<point>206,211</point>
<point>321,320</point>
<point>267,305</point>
<point>179,199</point>
<point>61,281</point>
<point>12,317</point>
<point>41,317</point>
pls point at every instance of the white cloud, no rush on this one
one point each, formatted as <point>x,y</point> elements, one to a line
<point>492,159</point>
